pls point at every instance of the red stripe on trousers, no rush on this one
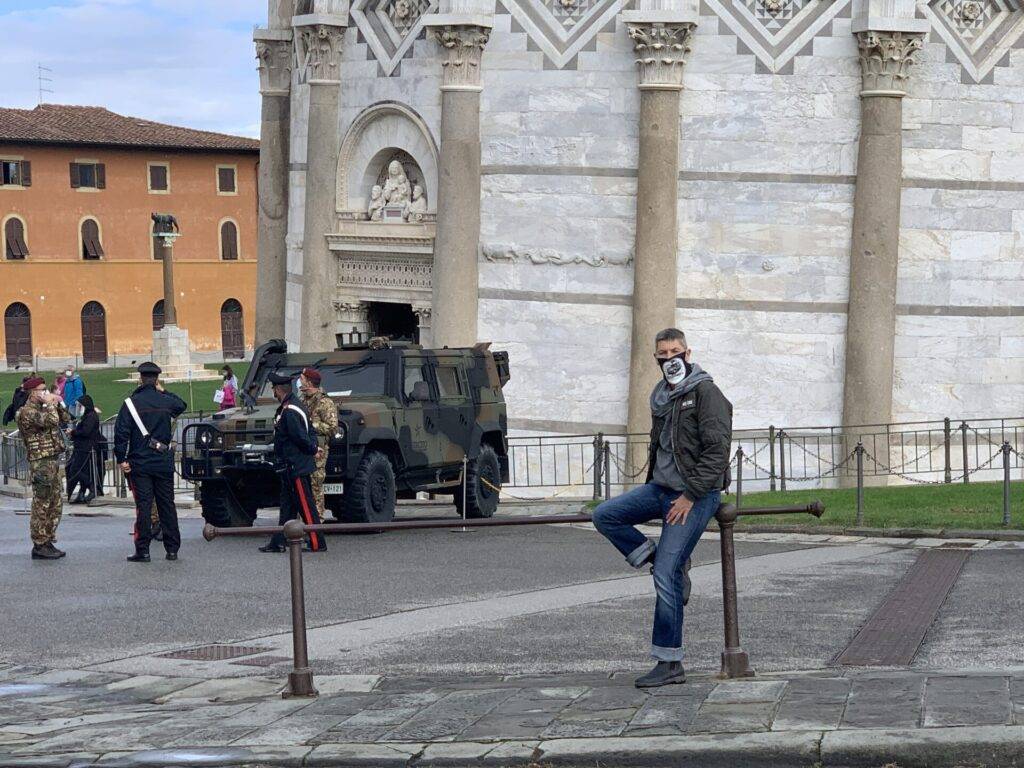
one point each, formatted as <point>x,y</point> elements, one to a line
<point>314,541</point>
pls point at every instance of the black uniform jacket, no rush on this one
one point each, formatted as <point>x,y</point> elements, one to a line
<point>156,409</point>
<point>701,437</point>
<point>295,442</point>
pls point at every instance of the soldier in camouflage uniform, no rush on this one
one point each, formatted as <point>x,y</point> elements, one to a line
<point>40,422</point>
<point>324,415</point>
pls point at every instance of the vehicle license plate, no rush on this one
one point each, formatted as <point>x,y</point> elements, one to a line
<point>334,488</point>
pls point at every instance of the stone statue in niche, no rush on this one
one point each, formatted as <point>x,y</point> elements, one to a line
<point>376,209</point>
<point>397,189</point>
<point>417,206</point>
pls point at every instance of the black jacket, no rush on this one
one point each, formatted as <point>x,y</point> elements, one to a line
<point>156,409</point>
<point>86,433</point>
<point>295,442</point>
<point>702,439</point>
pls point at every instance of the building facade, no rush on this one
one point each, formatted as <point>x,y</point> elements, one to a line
<point>79,278</point>
<point>826,195</point>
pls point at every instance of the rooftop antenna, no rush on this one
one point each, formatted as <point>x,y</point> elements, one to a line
<point>43,75</point>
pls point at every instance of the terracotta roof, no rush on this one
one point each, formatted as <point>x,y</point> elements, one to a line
<point>95,126</point>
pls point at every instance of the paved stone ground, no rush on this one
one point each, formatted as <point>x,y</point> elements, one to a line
<point>79,717</point>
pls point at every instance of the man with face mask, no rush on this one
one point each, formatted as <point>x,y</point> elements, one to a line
<point>74,388</point>
<point>687,468</point>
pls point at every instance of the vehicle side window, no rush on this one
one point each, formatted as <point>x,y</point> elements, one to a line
<point>414,371</point>
<point>448,382</point>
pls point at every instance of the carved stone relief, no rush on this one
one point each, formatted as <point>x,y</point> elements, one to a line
<point>885,59</point>
<point>978,33</point>
<point>275,64</point>
<point>499,252</point>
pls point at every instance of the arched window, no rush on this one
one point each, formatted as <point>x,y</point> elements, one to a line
<point>14,238</point>
<point>232,332</point>
<point>94,333</point>
<point>18,334</point>
<point>229,241</point>
<point>91,247</point>
<point>158,315</point>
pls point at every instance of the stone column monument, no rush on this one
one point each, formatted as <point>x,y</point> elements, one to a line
<point>888,35</point>
<point>661,31</point>
<point>462,30</point>
<point>275,55</point>
<point>319,38</point>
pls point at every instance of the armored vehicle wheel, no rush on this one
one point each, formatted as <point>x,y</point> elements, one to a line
<point>222,509</point>
<point>370,495</point>
<point>481,498</point>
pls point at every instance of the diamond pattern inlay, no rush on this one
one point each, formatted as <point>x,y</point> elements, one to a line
<point>776,30</point>
<point>563,28</point>
<point>978,32</point>
<point>390,27</point>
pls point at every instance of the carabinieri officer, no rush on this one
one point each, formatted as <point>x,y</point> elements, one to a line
<point>143,447</point>
<point>295,447</point>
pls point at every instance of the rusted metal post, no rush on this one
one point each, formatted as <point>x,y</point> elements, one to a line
<point>947,439</point>
<point>739,474</point>
<point>771,457</point>
<point>607,459</point>
<point>963,441</point>
<point>782,460</point>
<point>1006,483</point>
<point>735,662</point>
<point>860,482</point>
<point>598,464</point>
<point>300,679</point>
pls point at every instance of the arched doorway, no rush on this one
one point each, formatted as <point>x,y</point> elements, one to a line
<point>232,333</point>
<point>94,333</point>
<point>158,315</point>
<point>18,334</point>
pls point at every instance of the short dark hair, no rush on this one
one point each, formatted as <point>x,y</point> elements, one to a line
<point>148,378</point>
<point>670,334</point>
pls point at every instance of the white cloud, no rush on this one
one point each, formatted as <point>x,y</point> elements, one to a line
<point>183,62</point>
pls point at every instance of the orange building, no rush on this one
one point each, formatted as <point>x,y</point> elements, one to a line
<point>78,278</point>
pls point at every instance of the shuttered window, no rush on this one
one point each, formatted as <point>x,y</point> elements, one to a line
<point>15,173</point>
<point>226,179</point>
<point>158,178</point>
<point>88,176</point>
<point>228,241</point>
<point>91,248</point>
<point>14,239</point>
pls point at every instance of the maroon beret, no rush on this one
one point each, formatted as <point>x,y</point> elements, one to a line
<point>32,382</point>
<point>312,376</point>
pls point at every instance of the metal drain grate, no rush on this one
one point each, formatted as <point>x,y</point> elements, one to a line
<point>263,661</point>
<point>216,652</point>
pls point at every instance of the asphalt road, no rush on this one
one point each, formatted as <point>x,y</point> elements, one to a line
<point>797,612</point>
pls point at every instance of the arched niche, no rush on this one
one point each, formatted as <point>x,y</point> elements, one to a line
<point>375,137</point>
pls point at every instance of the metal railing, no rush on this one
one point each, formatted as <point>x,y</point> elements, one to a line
<point>735,662</point>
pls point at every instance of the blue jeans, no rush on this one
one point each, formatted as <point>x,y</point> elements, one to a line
<point>616,519</point>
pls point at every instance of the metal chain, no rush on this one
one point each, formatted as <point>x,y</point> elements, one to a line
<point>622,470</point>
<point>919,481</point>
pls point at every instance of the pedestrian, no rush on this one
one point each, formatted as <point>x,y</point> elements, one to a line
<point>687,468</point>
<point>40,421</point>
<point>101,454</point>
<point>229,375</point>
<point>324,415</point>
<point>74,388</point>
<point>228,392</point>
<point>81,469</point>
<point>19,399</point>
<point>143,449</point>
<point>58,384</point>
<point>295,447</point>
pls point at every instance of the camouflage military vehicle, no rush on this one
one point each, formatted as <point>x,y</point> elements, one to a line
<point>407,417</point>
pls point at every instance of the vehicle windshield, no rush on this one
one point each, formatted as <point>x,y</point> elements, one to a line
<point>350,380</point>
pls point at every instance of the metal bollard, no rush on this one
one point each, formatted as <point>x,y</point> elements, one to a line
<point>607,459</point>
<point>598,464</point>
<point>739,474</point>
<point>735,662</point>
<point>963,442</point>
<point>947,441</point>
<point>771,457</point>
<point>1006,483</point>
<point>300,679</point>
<point>782,460</point>
<point>860,482</point>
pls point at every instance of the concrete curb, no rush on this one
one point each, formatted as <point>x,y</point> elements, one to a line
<point>978,746</point>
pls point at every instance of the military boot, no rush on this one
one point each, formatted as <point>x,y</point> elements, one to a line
<point>44,552</point>
<point>53,548</point>
<point>138,557</point>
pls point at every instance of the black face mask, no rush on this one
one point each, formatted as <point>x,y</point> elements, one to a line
<point>675,368</point>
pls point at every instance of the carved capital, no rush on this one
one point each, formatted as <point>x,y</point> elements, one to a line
<point>423,313</point>
<point>321,53</point>
<point>885,59</point>
<point>275,64</point>
<point>351,310</point>
<point>661,50</point>
<point>462,46</point>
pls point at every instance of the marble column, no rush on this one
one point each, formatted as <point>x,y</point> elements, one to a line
<point>321,48</point>
<point>661,47</point>
<point>164,245</point>
<point>423,316</point>
<point>457,243</point>
<point>275,55</point>
<point>885,58</point>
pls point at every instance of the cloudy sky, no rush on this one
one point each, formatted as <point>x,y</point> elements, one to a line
<point>185,62</point>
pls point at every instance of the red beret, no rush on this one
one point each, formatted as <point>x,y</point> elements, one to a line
<point>312,376</point>
<point>32,382</point>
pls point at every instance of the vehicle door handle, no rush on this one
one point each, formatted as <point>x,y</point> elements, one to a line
<point>428,422</point>
<point>462,419</point>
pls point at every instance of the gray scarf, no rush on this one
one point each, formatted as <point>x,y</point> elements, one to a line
<point>662,396</point>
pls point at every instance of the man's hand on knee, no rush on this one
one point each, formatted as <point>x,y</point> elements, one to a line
<point>679,510</point>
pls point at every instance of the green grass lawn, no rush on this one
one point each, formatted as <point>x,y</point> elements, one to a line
<point>108,393</point>
<point>976,505</point>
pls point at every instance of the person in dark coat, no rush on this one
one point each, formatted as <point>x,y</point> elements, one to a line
<point>20,398</point>
<point>81,471</point>
<point>143,448</point>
